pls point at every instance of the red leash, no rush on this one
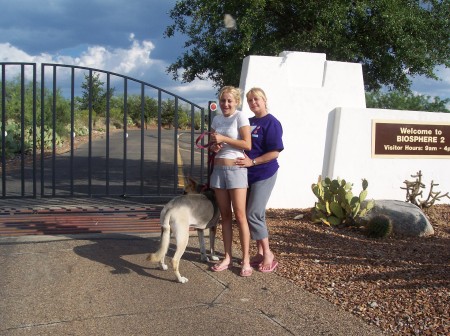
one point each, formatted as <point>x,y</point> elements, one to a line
<point>211,154</point>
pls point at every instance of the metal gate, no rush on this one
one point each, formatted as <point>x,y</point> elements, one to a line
<point>71,131</point>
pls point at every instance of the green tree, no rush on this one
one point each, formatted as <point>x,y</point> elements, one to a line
<point>94,89</point>
<point>397,100</point>
<point>13,101</point>
<point>168,112</point>
<point>135,108</point>
<point>55,116</point>
<point>392,39</point>
<point>61,111</point>
<point>184,120</point>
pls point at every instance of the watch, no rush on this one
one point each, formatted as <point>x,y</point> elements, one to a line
<point>254,162</point>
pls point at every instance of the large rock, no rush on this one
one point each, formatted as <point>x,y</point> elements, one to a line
<point>407,219</point>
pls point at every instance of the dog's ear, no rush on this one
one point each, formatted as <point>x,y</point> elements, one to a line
<point>192,182</point>
<point>190,186</point>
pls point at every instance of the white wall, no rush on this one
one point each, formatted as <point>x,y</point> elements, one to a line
<point>306,93</point>
<point>353,161</point>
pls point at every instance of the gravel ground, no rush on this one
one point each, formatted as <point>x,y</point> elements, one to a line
<point>400,284</point>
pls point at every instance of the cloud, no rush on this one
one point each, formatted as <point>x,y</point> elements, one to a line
<point>430,87</point>
<point>53,25</point>
<point>12,54</point>
<point>135,61</point>
<point>127,61</point>
<point>124,37</point>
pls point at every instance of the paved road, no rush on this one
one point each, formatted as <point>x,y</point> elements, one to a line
<point>106,287</point>
<point>140,171</point>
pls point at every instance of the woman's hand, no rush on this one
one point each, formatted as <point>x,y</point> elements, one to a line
<point>244,162</point>
<point>216,147</point>
<point>216,137</point>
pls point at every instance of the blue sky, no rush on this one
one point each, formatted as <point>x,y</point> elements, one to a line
<point>123,36</point>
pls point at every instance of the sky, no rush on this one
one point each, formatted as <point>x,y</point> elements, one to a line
<point>121,36</point>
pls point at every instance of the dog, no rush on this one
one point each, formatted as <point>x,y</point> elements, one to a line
<point>196,208</point>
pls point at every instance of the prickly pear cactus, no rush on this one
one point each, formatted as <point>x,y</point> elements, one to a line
<point>336,204</point>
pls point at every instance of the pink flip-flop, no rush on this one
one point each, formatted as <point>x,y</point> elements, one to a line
<point>220,267</point>
<point>256,261</point>
<point>268,270</point>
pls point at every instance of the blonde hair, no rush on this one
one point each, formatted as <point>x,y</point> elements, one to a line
<point>258,92</point>
<point>234,91</point>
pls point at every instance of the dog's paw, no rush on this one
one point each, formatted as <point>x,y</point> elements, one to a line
<point>204,258</point>
<point>215,258</point>
<point>183,280</point>
<point>164,267</point>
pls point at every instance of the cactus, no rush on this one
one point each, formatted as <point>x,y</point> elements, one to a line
<point>336,203</point>
<point>414,190</point>
<point>379,226</point>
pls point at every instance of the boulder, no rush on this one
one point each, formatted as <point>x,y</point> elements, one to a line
<point>407,219</point>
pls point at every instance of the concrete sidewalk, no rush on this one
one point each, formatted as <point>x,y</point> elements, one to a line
<point>102,285</point>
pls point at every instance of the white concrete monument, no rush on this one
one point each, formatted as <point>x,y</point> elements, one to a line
<point>328,130</point>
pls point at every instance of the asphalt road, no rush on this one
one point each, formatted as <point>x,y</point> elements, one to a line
<point>96,173</point>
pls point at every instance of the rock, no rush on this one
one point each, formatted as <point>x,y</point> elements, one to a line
<point>407,219</point>
<point>373,304</point>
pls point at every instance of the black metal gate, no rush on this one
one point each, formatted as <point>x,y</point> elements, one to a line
<point>70,131</point>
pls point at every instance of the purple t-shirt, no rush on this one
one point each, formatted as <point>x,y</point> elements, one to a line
<point>266,137</point>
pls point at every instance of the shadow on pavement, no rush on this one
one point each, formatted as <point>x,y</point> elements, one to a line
<point>113,250</point>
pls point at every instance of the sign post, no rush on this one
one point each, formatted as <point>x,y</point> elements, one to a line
<point>212,106</point>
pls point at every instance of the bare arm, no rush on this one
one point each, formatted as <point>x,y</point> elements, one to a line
<point>266,157</point>
<point>244,143</point>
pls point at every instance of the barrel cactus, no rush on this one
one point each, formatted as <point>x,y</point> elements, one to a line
<point>379,226</point>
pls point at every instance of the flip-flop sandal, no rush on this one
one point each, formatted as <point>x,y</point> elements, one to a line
<point>255,264</point>
<point>246,272</point>
<point>220,267</point>
<point>270,269</point>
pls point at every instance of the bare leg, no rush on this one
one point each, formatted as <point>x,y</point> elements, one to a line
<point>263,246</point>
<point>224,203</point>
<point>238,199</point>
<point>257,259</point>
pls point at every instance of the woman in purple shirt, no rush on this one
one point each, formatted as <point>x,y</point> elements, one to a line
<point>262,165</point>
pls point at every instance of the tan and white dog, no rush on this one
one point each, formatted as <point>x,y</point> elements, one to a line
<point>196,209</point>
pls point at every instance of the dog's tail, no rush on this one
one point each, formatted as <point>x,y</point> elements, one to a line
<point>159,255</point>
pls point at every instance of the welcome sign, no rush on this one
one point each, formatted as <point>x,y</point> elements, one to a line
<point>410,139</point>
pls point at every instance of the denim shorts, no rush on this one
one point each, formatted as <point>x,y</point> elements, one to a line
<point>228,177</point>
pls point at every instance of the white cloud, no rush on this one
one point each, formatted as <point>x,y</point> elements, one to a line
<point>134,61</point>
<point>196,86</point>
<point>13,54</point>
<point>430,87</point>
